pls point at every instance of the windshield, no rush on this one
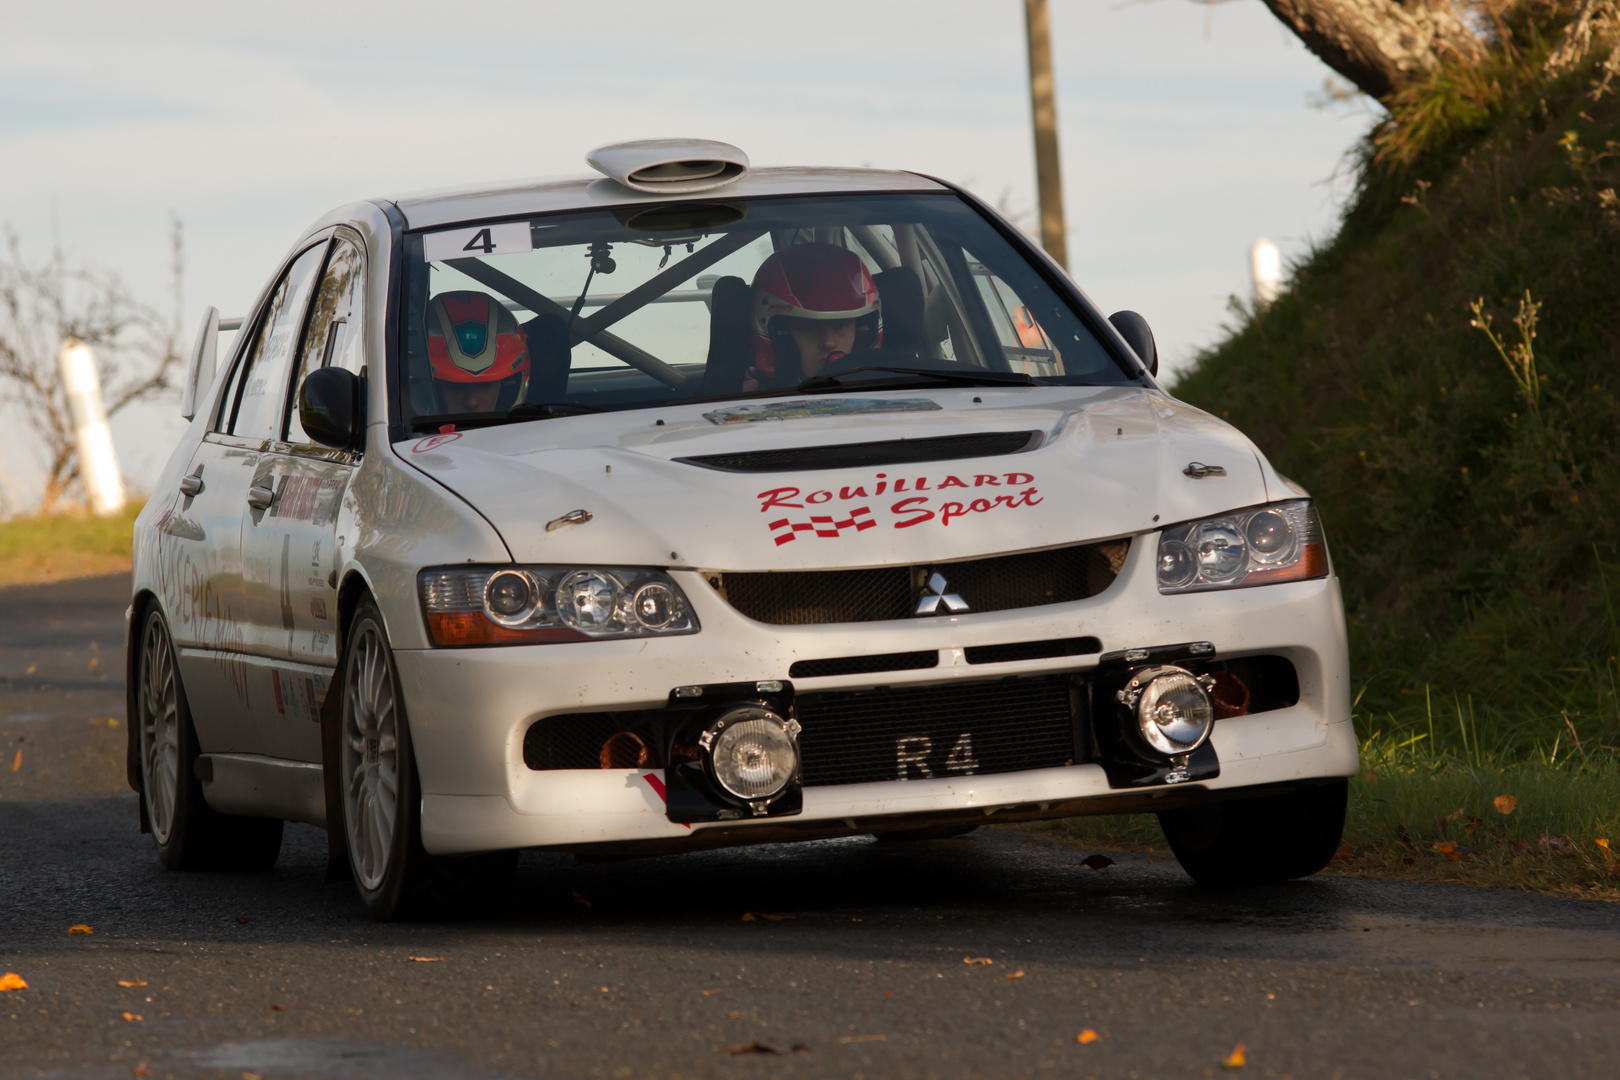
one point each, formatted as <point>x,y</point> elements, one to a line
<point>648,305</point>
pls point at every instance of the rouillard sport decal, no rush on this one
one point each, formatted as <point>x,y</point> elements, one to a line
<point>942,504</point>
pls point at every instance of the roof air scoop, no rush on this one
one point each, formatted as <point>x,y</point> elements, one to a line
<point>670,166</point>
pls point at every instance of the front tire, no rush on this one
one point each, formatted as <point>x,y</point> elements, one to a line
<point>190,834</point>
<point>382,801</point>
<point>1255,841</point>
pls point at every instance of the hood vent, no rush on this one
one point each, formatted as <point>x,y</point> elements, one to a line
<point>670,166</point>
<point>869,455</point>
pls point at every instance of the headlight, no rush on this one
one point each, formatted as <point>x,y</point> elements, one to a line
<point>483,605</point>
<point>1280,542</point>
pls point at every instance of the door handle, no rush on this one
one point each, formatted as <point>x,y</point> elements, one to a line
<point>260,497</point>
<point>191,486</point>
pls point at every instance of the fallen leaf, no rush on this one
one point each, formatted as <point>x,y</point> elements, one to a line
<point>282,1008</point>
<point>1407,860</point>
<point>1457,814</point>
<point>1342,855</point>
<point>16,763</point>
<point>734,1014</point>
<point>133,1016</point>
<point>425,959</point>
<point>80,929</point>
<point>1096,862</point>
<point>579,898</point>
<point>1473,825</point>
<point>1603,843</point>
<point>1505,804</point>
<point>977,960</point>
<point>605,990</point>
<point>95,662</point>
<point>753,1048</point>
<point>1087,1036</point>
<point>1372,777</point>
<point>706,993</point>
<point>12,981</point>
<point>1235,1059</point>
<point>244,919</point>
<point>140,1070</point>
<point>800,1048</point>
<point>31,669</point>
<point>776,918</point>
<point>748,916</point>
<point>131,982</point>
<point>862,1038</point>
<point>251,1076</point>
<point>1450,850</point>
<point>1013,975</point>
<point>1550,843</point>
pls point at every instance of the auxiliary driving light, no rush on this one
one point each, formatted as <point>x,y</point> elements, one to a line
<point>1172,708</point>
<point>753,753</point>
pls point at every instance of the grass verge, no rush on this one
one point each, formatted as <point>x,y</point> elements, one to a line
<point>42,549</point>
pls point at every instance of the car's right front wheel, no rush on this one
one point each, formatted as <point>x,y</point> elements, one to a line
<point>382,800</point>
<point>1253,841</point>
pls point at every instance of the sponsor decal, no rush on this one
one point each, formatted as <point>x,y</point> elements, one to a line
<point>925,500</point>
<point>794,410</point>
<point>433,442</point>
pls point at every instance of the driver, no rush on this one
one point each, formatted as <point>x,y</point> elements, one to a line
<point>813,304</point>
<point>477,352</point>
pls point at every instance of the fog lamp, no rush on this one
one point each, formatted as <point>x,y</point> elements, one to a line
<point>753,753</point>
<point>1171,707</point>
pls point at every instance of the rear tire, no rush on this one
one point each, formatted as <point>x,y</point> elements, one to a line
<point>1255,841</point>
<point>381,794</point>
<point>190,834</point>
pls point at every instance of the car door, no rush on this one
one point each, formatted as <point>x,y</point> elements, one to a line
<point>212,632</point>
<point>289,546</point>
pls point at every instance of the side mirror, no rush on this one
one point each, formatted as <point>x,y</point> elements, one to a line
<point>200,369</point>
<point>1134,329</point>
<point>330,407</point>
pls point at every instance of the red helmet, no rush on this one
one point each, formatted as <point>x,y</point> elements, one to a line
<point>812,281</point>
<point>473,339</point>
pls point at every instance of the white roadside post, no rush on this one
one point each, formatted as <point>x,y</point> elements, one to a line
<point>1265,266</point>
<point>98,462</point>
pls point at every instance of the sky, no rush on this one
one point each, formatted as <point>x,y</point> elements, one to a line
<point>1186,132</point>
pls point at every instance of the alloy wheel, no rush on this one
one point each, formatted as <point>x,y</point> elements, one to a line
<point>160,729</point>
<point>370,756</point>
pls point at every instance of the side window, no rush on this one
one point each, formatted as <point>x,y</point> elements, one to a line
<point>1025,344</point>
<point>335,336</point>
<point>260,387</point>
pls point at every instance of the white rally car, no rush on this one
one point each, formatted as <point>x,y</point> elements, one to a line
<point>693,505</point>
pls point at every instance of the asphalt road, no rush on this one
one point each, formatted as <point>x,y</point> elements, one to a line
<point>648,968</point>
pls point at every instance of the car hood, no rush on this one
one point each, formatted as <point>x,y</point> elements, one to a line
<point>1106,462</point>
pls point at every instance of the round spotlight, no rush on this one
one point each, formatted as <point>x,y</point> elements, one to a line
<point>656,606</point>
<point>587,600</point>
<point>1269,535</point>
<point>1221,555</point>
<point>752,752</point>
<point>1177,564</point>
<point>1172,709</point>
<point>510,597</point>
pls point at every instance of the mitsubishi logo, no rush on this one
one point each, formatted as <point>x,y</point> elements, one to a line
<point>936,594</point>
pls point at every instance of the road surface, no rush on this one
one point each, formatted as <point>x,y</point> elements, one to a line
<point>852,966</point>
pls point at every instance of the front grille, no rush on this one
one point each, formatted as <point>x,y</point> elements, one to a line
<point>913,733</point>
<point>864,665</point>
<point>1032,650</point>
<point>997,583</point>
<point>871,454</point>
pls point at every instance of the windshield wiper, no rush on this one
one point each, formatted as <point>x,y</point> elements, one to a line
<point>536,410</point>
<point>960,378</point>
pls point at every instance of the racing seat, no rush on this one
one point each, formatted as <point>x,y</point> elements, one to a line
<point>731,338</point>
<point>549,357</point>
<point>900,291</point>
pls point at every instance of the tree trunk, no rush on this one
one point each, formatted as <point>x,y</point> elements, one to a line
<point>1380,45</point>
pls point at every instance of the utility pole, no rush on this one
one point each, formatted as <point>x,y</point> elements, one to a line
<point>1043,105</point>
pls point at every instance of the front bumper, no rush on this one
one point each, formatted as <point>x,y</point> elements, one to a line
<point>470,708</point>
